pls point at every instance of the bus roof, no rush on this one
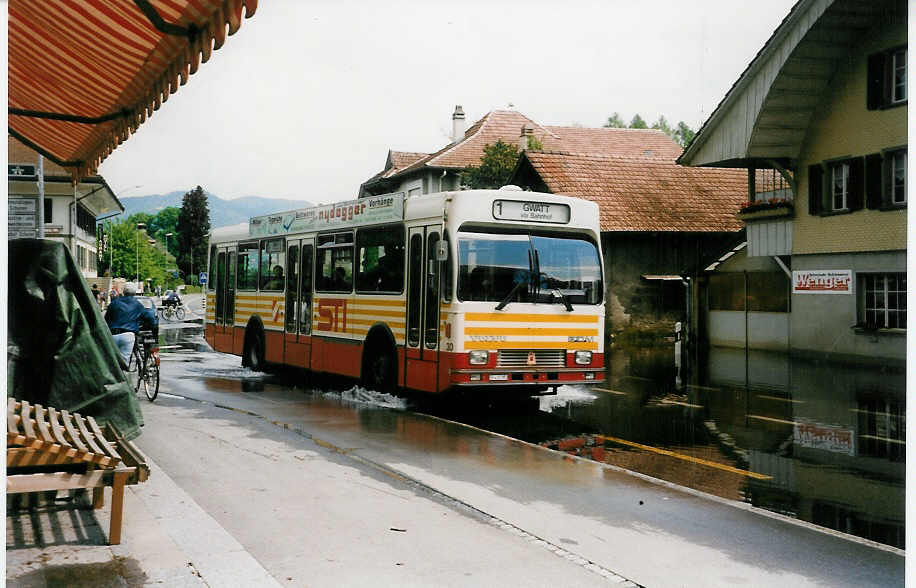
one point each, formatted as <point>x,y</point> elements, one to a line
<point>507,205</point>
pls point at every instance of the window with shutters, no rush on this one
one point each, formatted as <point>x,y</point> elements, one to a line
<point>887,79</point>
<point>885,179</point>
<point>836,187</point>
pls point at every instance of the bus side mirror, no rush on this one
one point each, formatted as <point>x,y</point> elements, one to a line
<point>441,250</point>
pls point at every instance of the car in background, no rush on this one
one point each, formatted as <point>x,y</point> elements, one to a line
<point>146,301</point>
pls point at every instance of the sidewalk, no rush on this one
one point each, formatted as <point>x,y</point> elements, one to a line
<point>167,540</point>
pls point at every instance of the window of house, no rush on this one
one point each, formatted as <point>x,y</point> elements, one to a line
<point>839,186</point>
<point>273,264</point>
<point>49,210</point>
<point>899,71</point>
<point>898,177</point>
<point>886,79</point>
<point>335,262</point>
<point>836,186</point>
<point>882,300</point>
<point>885,179</point>
<point>247,266</point>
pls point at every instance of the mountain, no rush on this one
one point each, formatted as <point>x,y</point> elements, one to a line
<point>222,212</point>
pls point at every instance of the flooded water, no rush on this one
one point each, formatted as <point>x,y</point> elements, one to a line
<point>817,441</point>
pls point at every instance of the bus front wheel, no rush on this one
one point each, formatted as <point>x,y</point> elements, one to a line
<point>254,352</point>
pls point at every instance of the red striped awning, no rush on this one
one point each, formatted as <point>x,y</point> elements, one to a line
<point>85,74</point>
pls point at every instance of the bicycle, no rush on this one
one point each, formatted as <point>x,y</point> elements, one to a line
<point>171,312</point>
<point>144,360</point>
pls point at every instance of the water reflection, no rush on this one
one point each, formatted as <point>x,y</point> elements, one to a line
<point>816,440</point>
<point>821,441</point>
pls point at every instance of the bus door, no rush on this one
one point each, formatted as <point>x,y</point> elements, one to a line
<point>421,360</point>
<point>298,307</point>
<point>225,299</point>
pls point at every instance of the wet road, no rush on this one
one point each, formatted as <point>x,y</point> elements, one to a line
<point>649,533</point>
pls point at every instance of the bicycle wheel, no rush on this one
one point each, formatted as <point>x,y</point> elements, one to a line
<point>179,312</point>
<point>151,379</point>
<point>161,312</point>
<point>137,367</point>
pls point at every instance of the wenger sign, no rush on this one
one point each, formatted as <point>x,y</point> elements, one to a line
<point>822,282</point>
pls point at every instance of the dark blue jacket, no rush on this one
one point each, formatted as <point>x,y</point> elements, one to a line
<point>126,313</point>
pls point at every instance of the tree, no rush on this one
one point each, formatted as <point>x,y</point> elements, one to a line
<point>662,125</point>
<point>638,123</point>
<point>131,253</point>
<point>165,221</point>
<point>614,122</point>
<point>684,135</point>
<point>193,229</point>
<point>495,169</point>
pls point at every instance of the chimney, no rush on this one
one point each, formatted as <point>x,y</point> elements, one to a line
<point>524,138</point>
<point>458,124</point>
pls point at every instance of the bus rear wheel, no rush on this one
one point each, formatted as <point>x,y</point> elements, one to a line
<point>380,369</point>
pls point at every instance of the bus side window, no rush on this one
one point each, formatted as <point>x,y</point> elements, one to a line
<point>445,283</point>
<point>432,291</point>
<point>272,264</point>
<point>380,257</point>
<point>335,262</point>
<point>247,265</point>
<point>211,285</point>
<point>292,288</point>
<point>415,287</point>
<point>305,300</point>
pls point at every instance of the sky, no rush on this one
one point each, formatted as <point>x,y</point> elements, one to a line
<point>306,99</point>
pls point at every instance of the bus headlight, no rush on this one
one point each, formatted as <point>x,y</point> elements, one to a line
<point>478,357</point>
<point>583,357</point>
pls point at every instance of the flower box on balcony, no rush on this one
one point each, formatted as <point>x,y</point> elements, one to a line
<point>762,210</point>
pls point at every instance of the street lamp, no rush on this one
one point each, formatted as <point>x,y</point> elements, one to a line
<point>139,226</point>
<point>167,235</point>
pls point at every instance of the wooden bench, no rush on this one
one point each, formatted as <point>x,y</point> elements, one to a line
<point>49,449</point>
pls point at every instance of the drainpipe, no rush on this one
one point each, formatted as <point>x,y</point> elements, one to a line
<point>747,353</point>
<point>41,196</point>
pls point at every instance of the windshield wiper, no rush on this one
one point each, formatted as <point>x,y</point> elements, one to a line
<point>516,287</point>
<point>512,293</point>
<point>559,294</point>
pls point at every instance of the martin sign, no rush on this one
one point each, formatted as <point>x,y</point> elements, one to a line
<point>822,282</point>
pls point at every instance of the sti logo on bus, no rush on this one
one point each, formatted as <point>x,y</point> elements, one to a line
<point>332,315</point>
<point>537,212</point>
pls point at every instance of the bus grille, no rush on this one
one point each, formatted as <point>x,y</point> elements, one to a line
<point>543,357</point>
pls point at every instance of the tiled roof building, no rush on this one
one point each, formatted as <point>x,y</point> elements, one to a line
<point>640,193</point>
<point>508,126</point>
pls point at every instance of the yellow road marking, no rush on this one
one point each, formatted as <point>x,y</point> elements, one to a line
<point>770,419</point>
<point>889,440</point>
<point>780,398</point>
<point>679,403</point>
<point>690,458</point>
<point>610,391</point>
<point>695,387</point>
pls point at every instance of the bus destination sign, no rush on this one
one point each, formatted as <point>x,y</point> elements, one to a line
<point>535,212</point>
<point>339,215</point>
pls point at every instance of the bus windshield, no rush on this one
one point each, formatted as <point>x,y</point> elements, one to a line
<point>528,267</point>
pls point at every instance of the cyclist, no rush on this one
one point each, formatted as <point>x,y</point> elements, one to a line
<point>172,299</point>
<point>125,317</point>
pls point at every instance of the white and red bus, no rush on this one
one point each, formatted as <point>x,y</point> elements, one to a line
<point>478,288</point>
